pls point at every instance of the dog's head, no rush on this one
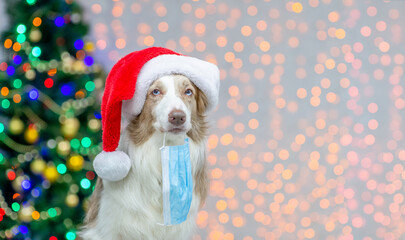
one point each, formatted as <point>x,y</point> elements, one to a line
<point>173,105</point>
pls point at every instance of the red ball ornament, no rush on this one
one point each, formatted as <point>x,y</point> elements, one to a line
<point>48,83</point>
<point>11,175</point>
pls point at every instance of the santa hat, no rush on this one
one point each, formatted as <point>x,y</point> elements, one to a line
<point>130,79</point>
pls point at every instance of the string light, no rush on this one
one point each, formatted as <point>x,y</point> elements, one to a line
<point>85,183</point>
<point>88,60</point>
<point>52,212</point>
<point>37,22</point>
<point>48,82</point>
<point>86,142</point>
<point>79,44</point>
<point>21,38</point>
<point>21,28</point>
<point>17,83</point>
<point>75,143</point>
<point>66,89</point>
<point>5,103</point>
<point>15,206</point>
<point>61,168</point>
<point>8,43</point>
<point>26,184</point>
<point>90,86</point>
<point>31,2</point>
<point>36,51</point>
<point>33,94</point>
<point>17,59</point>
<point>10,70</point>
<point>70,236</point>
<point>59,21</point>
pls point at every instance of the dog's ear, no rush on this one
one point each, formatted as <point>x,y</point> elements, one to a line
<point>202,102</point>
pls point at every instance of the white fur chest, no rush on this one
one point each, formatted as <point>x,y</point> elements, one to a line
<point>132,208</point>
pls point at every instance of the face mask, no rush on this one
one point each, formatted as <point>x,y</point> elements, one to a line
<point>177,182</point>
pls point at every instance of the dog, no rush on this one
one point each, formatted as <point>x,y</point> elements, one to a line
<point>132,208</point>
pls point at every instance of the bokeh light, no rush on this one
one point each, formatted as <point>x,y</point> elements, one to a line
<point>307,141</point>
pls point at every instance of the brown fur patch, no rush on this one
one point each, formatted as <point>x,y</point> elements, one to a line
<point>202,183</point>
<point>199,127</point>
<point>198,133</point>
<point>94,205</point>
<point>141,127</point>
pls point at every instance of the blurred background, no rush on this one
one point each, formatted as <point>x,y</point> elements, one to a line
<point>306,143</point>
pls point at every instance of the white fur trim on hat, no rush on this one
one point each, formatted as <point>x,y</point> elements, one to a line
<point>112,166</point>
<point>204,75</point>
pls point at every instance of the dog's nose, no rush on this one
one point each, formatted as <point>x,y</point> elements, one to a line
<point>177,117</point>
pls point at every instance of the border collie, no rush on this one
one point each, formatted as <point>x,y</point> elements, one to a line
<point>132,208</point>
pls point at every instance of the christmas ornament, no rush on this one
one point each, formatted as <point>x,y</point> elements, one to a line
<point>94,125</point>
<point>25,214</point>
<point>51,174</point>
<point>35,35</point>
<point>72,200</point>
<point>17,183</point>
<point>144,67</point>
<point>75,163</point>
<point>63,148</point>
<point>89,47</point>
<point>70,127</point>
<point>31,135</point>
<point>38,166</point>
<point>16,126</point>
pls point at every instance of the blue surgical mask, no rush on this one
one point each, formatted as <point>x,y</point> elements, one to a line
<point>177,182</point>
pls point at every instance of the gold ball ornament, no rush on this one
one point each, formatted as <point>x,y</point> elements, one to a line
<point>89,47</point>
<point>51,174</point>
<point>72,200</point>
<point>75,163</point>
<point>70,127</point>
<point>35,35</point>
<point>25,214</point>
<point>31,135</point>
<point>16,126</point>
<point>30,74</point>
<point>16,184</point>
<point>63,148</point>
<point>38,166</point>
<point>79,66</point>
<point>94,125</point>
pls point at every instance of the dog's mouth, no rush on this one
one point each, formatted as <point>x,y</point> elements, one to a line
<point>176,130</point>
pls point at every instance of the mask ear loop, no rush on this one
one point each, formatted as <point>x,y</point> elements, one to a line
<point>164,141</point>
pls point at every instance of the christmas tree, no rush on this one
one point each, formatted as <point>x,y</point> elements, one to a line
<point>49,120</point>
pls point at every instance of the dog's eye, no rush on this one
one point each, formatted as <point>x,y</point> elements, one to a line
<point>156,92</point>
<point>189,92</point>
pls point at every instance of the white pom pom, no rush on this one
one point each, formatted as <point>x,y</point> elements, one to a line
<point>112,166</point>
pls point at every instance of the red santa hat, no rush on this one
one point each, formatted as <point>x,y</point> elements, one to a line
<point>130,79</point>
